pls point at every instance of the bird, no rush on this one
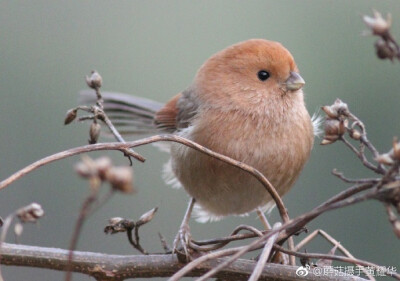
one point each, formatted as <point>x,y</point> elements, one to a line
<point>245,102</point>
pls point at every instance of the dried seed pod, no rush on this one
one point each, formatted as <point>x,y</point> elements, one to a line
<point>355,134</point>
<point>146,217</point>
<point>121,179</point>
<point>385,159</point>
<point>85,170</point>
<point>30,213</point>
<point>102,165</point>
<point>18,229</point>
<point>94,132</point>
<point>94,81</point>
<point>383,50</point>
<point>341,108</point>
<point>333,129</point>
<point>327,141</point>
<point>377,24</point>
<point>118,224</point>
<point>115,220</point>
<point>70,116</point>
<point>395,152</point>
<point>336,110</point>
<point>330,112</point>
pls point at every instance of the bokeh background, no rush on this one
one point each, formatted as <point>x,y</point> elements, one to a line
<point>153,49</point>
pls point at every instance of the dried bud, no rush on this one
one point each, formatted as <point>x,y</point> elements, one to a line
<point>327,141</point>
<point>30,213</point>
<point>18,229</point>
<point>102,165</point>
<point>355,134</point>
<point>1,222</point>
<point>118,225</point>
<point>329,111</point>
<point>71,115</point>
<point>385,159</point>
<point>94,81</point>
<point>94,132</point>
<point>377,24</point>
<point>395,152</point>
<point>334,129</point>
<point>85,170</point>
<point>146,217</point>
<point>390,157</point>
<point>115,220</point>
<point>383,50</point>
<point>121,179</point>
<point>336,110</point>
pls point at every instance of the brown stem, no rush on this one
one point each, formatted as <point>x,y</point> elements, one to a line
<point>362,157</point>
<point>85,210</point>
<point>334,242</point>
<point>339,258</point>
<point>264,255</point>
<point>122,267</point>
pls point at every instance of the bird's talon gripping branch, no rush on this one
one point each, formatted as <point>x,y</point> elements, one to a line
<point>183,237</point>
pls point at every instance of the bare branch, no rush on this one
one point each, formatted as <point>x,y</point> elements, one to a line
<point>264,255</point>
<point>119,267</point>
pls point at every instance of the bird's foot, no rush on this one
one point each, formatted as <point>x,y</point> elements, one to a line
<point>181,244</point>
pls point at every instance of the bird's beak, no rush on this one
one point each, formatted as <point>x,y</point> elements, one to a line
<point>294,82</point>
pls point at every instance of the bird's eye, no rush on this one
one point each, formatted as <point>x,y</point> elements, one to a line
<point>263,75</point>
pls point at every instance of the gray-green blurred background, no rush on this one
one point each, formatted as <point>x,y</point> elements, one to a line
<point>153,49</point>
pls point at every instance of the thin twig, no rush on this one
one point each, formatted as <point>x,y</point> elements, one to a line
<point>221,242</point>
<point>393,220</point>
<point>99,203</point>
<point>339,258</point>
<point>334,242</point>
<point>290,228</point>
<point>362,157</point>
<point>264,255</point>
<point>341,176</point>
<point>135,244</point>
<point>364,140</point>
<point>192,265</point>
<point>164,244</point>
<point>85,210</point>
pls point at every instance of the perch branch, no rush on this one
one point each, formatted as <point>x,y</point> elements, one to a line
<point>119,267</point>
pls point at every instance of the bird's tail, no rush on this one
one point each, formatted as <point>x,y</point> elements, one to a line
<point>131,115</point>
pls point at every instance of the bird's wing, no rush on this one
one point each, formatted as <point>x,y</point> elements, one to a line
<point>178,113</point>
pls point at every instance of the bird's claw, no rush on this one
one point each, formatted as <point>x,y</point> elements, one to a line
<point>183,237</point>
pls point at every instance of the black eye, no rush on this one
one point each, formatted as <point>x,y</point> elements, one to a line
<point>263,75</point>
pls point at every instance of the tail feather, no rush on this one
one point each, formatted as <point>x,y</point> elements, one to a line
<point>130,114</point>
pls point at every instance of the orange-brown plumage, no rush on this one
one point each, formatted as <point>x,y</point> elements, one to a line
<point>245,102</point>
<point>261,123</point>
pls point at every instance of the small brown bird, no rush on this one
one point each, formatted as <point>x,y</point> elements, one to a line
<point>245,102</point>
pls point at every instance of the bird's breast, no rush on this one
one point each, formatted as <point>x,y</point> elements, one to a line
<point>278,150</point>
